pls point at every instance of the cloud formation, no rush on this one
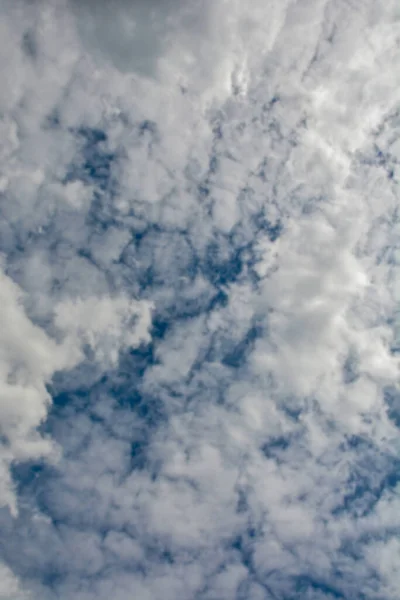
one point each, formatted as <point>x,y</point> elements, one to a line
<point>199,289</point>
<point>195,43</point>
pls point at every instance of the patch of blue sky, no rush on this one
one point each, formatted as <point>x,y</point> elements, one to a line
<point>94,160</point>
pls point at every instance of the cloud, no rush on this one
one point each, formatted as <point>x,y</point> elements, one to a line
<point>187,41</point>
<point>106,325</point>
<point>9,589</point>
<point>199,291</point>
<point>28,360</point>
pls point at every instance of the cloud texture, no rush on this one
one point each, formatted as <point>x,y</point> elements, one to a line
<point>199,325</point>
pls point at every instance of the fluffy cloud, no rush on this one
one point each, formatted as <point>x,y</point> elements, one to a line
<point>9,588</point>
<point>196,44</point>
<point>29,358</point>
<point>106,325</point>
<point>199,292</point>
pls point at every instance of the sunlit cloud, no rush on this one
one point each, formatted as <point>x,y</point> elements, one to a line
<point>199,300</point>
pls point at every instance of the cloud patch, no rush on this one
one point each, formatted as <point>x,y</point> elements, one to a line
<point>199,338</point>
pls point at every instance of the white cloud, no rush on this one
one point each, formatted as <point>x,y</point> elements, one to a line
<point>29,358</point>
<point>198,44</point>
<point>150,154</point>
<point>9,587</point>
<point>106,325</point>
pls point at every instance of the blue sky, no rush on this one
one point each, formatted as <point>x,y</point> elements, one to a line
<point>199,331</point>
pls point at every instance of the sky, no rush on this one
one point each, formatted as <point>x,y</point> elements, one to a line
<point>199,287</point>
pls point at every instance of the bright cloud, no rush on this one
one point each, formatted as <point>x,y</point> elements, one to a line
<point>199,300</point>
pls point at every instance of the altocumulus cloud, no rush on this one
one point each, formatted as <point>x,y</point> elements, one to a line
<point>199,338</point>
